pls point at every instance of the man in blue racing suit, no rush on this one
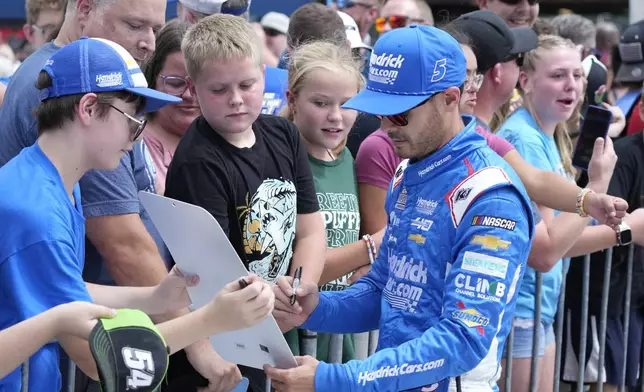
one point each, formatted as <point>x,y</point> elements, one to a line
<point>442,290</point>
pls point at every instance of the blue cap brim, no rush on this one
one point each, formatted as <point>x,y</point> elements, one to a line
<point>382,104</point>
<point>154,100</point>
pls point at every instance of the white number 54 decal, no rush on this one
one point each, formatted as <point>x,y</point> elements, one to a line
<point>141,367</point>
<point>439,70</point>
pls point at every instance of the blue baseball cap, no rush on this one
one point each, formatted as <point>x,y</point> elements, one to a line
<point>96,65</point>
<point>408,66</point>
<point>276,84</point>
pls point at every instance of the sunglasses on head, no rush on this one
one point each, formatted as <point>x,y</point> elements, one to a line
<point>395,22</point>
<point>515,2</point>
<point>402,119</point>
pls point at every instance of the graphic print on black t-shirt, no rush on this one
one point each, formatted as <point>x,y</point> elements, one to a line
<point>268,227</point>
<point>254,193</point>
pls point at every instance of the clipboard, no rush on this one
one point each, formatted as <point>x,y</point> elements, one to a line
<point>198,245</point>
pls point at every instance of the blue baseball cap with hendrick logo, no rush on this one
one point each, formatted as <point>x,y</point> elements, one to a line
<point>96,65</point>
<point>408,66</point>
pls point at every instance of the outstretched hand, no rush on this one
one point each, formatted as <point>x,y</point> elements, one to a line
<point>236,308</point>
<point>79,318</point>
<point>171,293</point>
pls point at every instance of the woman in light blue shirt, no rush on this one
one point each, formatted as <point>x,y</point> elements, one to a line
<point>551,82</point>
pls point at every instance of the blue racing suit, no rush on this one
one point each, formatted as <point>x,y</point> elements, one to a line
<point>442,290</point>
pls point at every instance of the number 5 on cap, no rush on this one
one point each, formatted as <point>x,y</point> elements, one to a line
<point>439,70</point>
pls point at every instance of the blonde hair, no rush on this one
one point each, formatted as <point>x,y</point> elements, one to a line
<point>319,55</point>
<point>561,135</point>
<point>221,38</point>
<point>35,7</point>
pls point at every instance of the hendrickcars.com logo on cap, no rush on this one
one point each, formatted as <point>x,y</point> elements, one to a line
<point>384,68</point>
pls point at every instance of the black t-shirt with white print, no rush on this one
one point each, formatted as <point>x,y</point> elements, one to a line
<point>254,193</point>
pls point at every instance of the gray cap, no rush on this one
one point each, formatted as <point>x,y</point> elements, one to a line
<point>276,21</point>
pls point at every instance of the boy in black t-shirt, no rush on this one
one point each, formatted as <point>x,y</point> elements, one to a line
<point>250,171</point>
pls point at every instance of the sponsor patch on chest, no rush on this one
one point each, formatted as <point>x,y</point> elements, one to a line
<point>471,317</point>
<point>464,194</point>
<point>398,177</point>
<point>485,264</point>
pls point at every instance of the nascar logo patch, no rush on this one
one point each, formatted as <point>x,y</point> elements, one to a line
<point>493,221</point>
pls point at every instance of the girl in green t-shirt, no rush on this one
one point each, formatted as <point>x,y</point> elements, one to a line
<point>322,77</point>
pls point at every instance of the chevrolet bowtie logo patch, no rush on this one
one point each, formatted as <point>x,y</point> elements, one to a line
<point>490,242</point>
<point>417,238</point>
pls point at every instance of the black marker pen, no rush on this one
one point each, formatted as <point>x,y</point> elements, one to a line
<point>296,283</point>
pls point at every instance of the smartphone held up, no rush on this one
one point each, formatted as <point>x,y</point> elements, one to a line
<point>595,124</point>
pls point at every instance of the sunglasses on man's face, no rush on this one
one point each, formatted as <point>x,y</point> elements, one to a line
<point>402,119</point>
<point>515,2</point>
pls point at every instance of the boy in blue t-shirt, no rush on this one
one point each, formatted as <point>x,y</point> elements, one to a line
<point>91,93</point>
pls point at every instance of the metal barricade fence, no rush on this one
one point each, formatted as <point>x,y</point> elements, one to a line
<point>365,343</point>
<point>581,385</point>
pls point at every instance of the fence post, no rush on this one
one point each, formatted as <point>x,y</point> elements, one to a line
<point>71,376</point>
<point>602,319</point>
<point>584,323</point>
<point>309,343</point>
<point>508,360</point>
<point>627,312</point>
<point>561,312</point>
<point>373,341</point>
<point>534,361</point>
<point>362,345</point>
<point>24,376</point>
<point>336,343</point>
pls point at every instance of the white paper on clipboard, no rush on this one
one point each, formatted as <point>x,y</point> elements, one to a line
<point>198,245</point>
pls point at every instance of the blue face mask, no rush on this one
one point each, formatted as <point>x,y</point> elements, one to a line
<point>340,3</point>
